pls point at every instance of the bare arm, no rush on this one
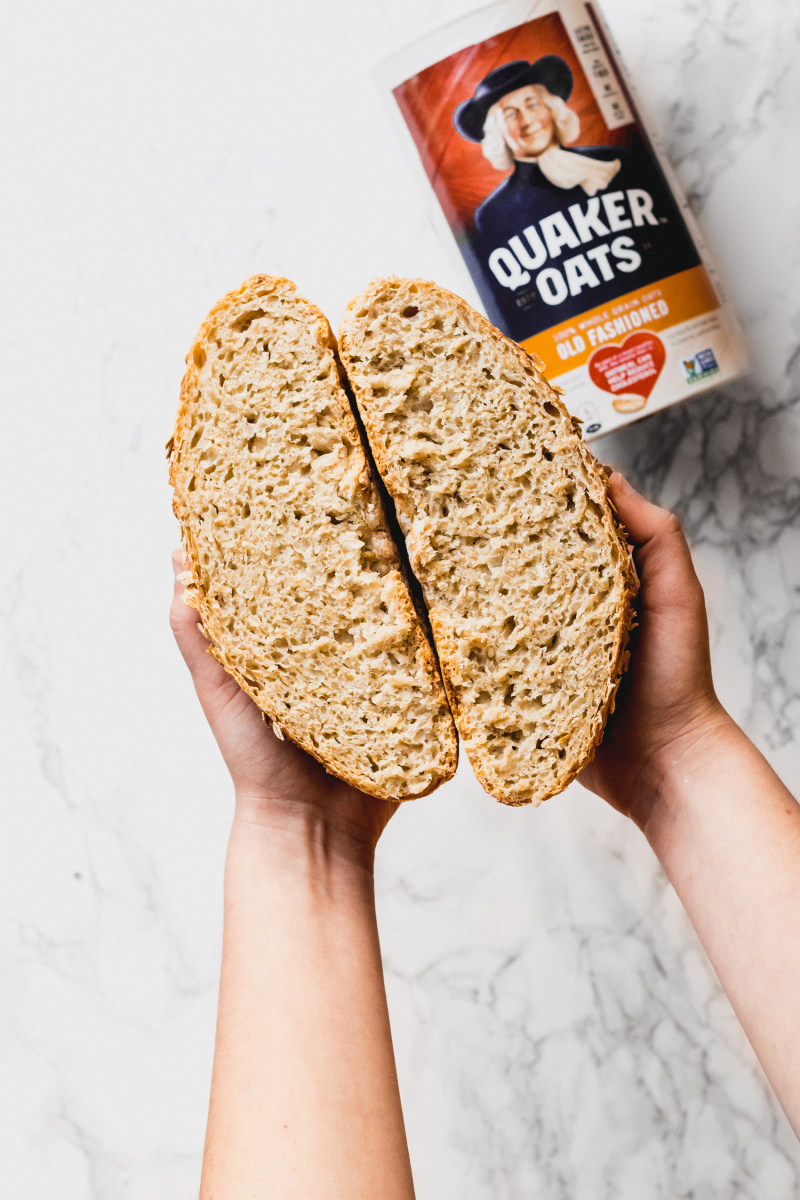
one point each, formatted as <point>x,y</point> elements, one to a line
<point>724,827</point>
<point>304,1097</point>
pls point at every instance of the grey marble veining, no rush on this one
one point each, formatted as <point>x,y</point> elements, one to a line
<point>559,1032</point>
<point>729,462</point>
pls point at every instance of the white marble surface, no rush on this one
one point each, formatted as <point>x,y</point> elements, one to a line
<point>559,1032</point>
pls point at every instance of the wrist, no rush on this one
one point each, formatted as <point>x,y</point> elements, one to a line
<point>300,835</point>
<point>677,773</point>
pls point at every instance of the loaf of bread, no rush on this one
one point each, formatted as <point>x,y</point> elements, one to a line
<point>526,577</point>
<point>294,572</point>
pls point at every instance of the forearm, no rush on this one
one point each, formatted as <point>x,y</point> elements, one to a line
<point>304,1097</point>
<point>727,833</point>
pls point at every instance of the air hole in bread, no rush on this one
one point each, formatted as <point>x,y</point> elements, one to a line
<point>245,320</point>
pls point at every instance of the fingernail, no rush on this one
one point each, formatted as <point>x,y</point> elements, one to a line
<point>621,482</point>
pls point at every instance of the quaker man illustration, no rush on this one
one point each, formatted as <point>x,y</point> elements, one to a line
<point>520,117</point>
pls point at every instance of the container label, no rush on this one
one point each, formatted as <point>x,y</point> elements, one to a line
<point>553,192</point>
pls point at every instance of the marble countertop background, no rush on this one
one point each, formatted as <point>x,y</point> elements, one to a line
<point>559,1032</point>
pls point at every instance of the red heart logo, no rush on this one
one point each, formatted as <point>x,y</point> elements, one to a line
<point>633,367</point>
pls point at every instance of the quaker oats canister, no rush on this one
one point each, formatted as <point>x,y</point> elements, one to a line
<point>573,229</point>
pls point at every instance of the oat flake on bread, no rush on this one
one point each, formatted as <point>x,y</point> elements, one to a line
<point>524,569</point>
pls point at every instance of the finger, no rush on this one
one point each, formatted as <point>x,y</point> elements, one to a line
<point>207,674</point>
<point>662,555</point>
<point>642,519</point>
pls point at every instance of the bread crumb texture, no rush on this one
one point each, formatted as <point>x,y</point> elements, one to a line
<point>526,577</point>
<point>294,572</point>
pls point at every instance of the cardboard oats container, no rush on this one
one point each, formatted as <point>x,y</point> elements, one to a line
<point>572,226</point>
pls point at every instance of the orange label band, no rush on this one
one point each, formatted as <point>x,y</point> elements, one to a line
<point>659,306</point>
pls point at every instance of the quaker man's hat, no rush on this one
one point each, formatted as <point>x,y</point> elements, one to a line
<point>551,71</point>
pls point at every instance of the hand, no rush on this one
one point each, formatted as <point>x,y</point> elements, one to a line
<point>276,783</point>
<point>667,715</point>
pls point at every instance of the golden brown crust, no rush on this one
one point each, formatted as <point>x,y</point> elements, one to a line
<point>598,491</point>
<point>195,596</point>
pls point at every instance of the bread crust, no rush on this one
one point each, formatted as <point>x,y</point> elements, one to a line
<point>598,490</point>
<point>223,311</point>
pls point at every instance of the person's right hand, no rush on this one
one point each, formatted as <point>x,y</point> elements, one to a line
<point>667,715</point>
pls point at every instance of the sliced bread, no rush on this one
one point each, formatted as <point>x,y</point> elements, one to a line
<point>524,570</point>
<point>294,572</point>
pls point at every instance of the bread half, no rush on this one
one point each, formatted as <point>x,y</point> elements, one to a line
<point>524,570</point>
<point>294,572</point>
